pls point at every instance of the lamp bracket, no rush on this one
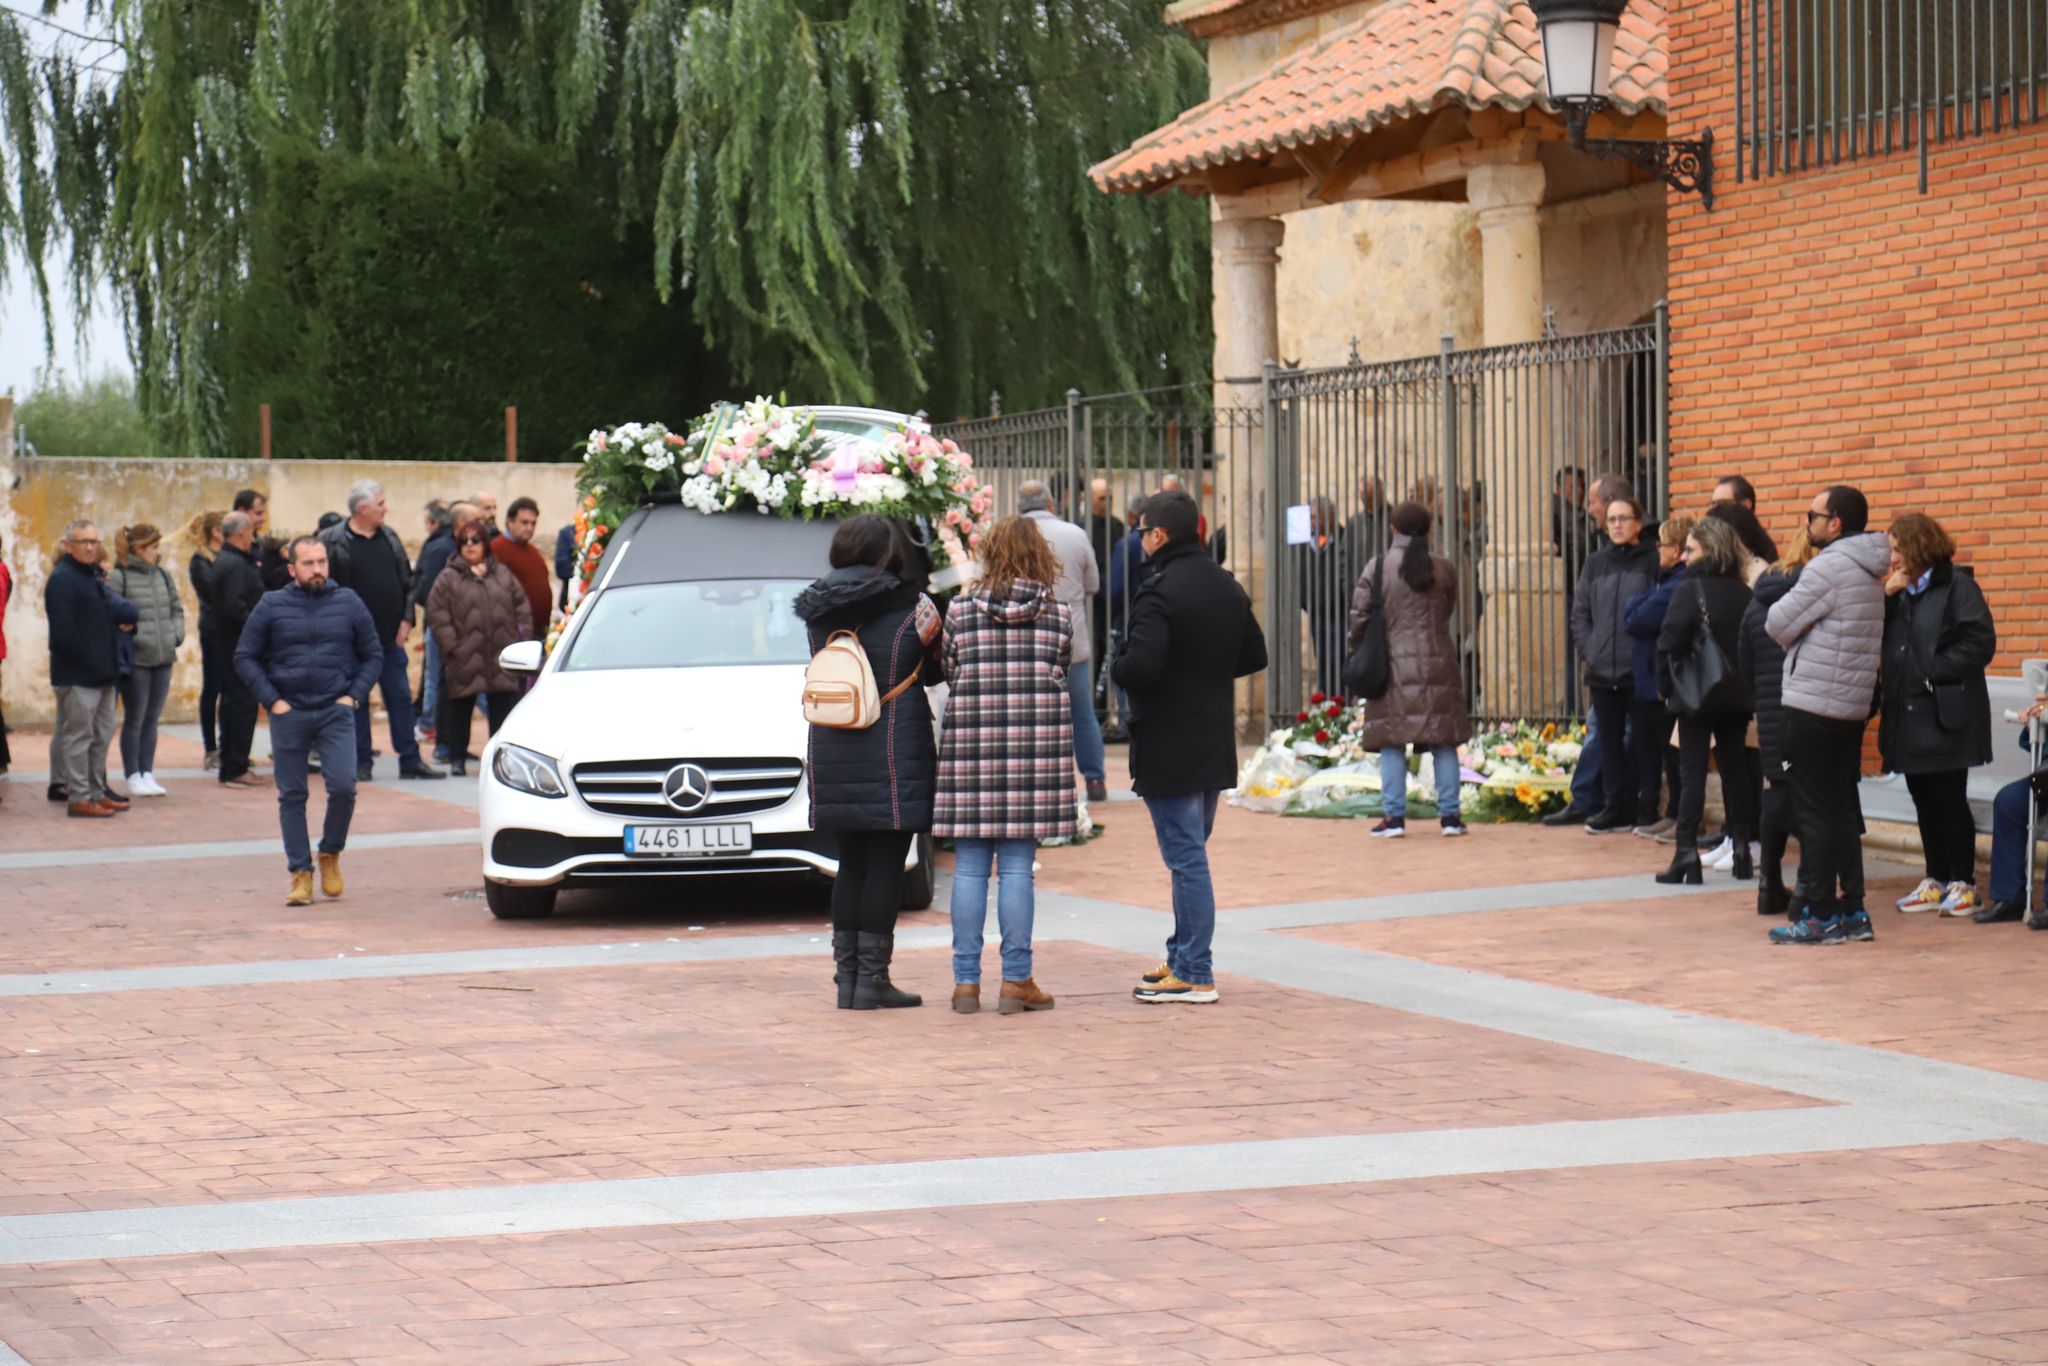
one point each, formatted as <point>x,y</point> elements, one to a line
<point>1685,164</point>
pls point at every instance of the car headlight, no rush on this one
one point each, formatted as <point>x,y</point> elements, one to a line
<point>522,770</point>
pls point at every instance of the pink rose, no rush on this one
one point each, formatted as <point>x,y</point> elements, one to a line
<point>602,444</point>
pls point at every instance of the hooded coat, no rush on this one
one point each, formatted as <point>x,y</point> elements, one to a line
<point>884,777</point>
<point>160,613</point>
<point>1424,704</point>
<point>1831,626</point>
<point>473,618</point>
<point>1936,715</point>
<point>1006,754</point>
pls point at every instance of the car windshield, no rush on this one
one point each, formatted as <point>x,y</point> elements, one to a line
<point>692,625</point>
<point>863,428</point>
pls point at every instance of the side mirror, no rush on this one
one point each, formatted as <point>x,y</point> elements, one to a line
<point>523,657</point>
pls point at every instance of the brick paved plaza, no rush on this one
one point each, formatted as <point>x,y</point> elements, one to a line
<point>1493,1100</point>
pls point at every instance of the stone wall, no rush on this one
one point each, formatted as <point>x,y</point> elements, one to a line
<point>39,496</point>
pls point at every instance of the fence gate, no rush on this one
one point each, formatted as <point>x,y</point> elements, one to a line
<point>1101,454</point>
<point>1500,444</point>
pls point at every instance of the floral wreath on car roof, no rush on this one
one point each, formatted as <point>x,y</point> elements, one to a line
<point>772,460</point>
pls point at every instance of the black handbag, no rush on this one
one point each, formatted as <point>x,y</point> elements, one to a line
<point>1368,673</point>
<point>1701,678</point>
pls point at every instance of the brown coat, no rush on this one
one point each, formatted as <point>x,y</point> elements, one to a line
<point>1425,701</point>
<point>473,618</point>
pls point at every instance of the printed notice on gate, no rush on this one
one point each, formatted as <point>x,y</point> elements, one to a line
<point>1300,531</point>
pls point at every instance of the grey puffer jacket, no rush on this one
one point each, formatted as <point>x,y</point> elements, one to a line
<point>160,620</point>
<point>1831,624</point>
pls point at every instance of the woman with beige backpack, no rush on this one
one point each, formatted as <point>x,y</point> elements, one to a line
<point>872,784</point>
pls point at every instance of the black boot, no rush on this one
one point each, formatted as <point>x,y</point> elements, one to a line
<point>1744,866</point>
<point>1685,868</point>
<point>874,991</point>
<point>1772,898</point>
<point>845,953</point>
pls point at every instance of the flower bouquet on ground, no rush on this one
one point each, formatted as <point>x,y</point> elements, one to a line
<point>773,460</point>
<point>1524,770</point>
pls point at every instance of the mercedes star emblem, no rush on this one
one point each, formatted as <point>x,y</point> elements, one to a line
<point>686,788</point>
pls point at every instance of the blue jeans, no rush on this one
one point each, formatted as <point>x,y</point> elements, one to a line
<point>1588,789</point>
<point>1088,756</point>
<point>972,859</point>
<point>1182,826</point>
<point>329,730</point>
<point>2009,843</point>
<point>430,680</point>
<point>397,690</point>
<point>1394,780</point>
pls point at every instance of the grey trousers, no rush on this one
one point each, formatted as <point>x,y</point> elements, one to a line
<point>85,729</point>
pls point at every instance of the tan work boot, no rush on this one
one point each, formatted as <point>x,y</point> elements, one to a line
<point>302,889</point>
<point>1020,996</point>
<point>330,874</point>
<point>966,998</point>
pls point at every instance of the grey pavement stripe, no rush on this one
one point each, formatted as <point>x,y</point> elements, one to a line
<point>468,961</point>
<point>1516,897</point>
<point>9,1357</point>
<point>1757,1055</point>
<point>154,853</point>
<point>950,1184</point>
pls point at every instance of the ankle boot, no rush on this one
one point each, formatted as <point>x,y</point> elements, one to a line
<point>874,991</point>
<point>1744,865</point>
<point>846,971</point>
<point>1772,898</point>
<point>1685,867</point>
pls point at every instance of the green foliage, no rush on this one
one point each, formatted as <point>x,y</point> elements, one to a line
<point>878,200</point>
<point>394,307</point>
<point>97,417</point>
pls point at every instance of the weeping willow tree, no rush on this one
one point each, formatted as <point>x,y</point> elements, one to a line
<point>869,200</point>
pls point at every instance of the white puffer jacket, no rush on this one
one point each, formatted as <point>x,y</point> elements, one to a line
<point>1831,625</point>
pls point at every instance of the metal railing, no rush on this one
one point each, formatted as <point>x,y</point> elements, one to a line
<point>1515,434</point>
<point>1820,82</point>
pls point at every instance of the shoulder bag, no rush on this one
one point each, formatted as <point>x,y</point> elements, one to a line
<point>1701,678</point>
<point>1369,672</point>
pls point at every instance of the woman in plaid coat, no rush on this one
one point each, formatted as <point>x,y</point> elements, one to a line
<point>1006,757</point>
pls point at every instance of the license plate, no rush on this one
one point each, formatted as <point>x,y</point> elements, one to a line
<point>688,841</point>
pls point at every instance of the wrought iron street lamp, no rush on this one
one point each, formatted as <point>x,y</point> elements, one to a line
<point>1578,60</point>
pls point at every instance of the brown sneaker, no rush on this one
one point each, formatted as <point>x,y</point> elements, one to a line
<point>966,998</point>
<point>302,889</point>
<point>246,780</point>
<point>1021,996</point>
<point>330,874</point>
<point>1158,974</point>
<point>88,809</point>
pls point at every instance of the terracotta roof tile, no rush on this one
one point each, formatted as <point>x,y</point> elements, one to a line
<point>1405,59</point>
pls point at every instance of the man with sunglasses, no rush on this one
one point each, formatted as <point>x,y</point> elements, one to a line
<point>1831,625</point>
<point>1192,635</point>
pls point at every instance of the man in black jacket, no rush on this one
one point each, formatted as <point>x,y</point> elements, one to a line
<point>309,654</point>
<point>365,555</point>
<point>1192,636</point>
<point>84,672</point>
<point>435,552</point>
<point>235,587</point>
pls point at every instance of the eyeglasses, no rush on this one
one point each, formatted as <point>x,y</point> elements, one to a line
<point>1622,519</point>
<point>1812,516</point>
<point>471,540</point>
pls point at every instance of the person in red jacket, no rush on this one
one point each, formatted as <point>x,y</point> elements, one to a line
<point>515,549</point>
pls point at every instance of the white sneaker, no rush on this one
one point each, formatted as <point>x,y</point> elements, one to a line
<point>1722,857</point>
<point>1928,896</point>
<point>1959,899</point>
<point>146,785</point>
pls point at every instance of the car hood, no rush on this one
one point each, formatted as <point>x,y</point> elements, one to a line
<point>591,716</point>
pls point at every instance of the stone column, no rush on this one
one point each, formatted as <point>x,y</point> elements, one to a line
<point>1519,665</point>
<point>1244,262</point>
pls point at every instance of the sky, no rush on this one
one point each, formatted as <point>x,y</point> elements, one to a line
<point>83,350</point>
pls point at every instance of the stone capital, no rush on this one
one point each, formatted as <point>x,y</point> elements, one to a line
<point>1509,188</point>
<point>1247,241</point>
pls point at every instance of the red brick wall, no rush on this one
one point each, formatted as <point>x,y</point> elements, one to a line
<point>1839,326</point>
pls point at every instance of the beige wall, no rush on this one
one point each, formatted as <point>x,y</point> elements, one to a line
<point>1394,276</point>
<point>1604,259</point>
<point>39,496</point>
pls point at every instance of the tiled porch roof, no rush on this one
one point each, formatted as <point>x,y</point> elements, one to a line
<point>1407,59</point>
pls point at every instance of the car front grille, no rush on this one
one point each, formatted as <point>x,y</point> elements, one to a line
<point>632,787</point>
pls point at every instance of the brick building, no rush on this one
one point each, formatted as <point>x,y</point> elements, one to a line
<point>1832,321</point>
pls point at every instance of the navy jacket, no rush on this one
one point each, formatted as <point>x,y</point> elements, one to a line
<point>434,557</point>
<point>309,648</point>
<point>1763,663</point>
<point>565,563</point>
<point>82,621</point>
<point>1644,619</point>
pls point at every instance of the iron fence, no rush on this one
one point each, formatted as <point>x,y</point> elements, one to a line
<point>1297,473</point>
